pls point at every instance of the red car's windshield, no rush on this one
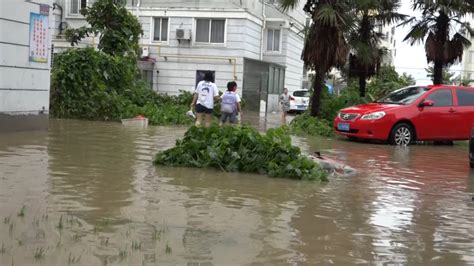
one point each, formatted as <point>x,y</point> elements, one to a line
<point>403,96</point>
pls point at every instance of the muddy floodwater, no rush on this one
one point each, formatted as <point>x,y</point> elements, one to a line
<point>86,193</point>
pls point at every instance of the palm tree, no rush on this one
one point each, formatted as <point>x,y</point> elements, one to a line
<point>366,53</point>
<point>447,77</point>
<point>325,46</point>
<point>442,28</point>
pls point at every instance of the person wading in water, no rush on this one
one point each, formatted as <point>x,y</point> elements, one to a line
<point>285,105</point>
<point>203,100</point>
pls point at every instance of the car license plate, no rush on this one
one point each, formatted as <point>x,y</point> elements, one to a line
<point>301,107</point>
<point>343,127</point>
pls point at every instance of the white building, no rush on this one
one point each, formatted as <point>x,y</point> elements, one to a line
<point>467,69</point>
<point>389,42</point>
<point>249,41</point>
<point>24,64</point>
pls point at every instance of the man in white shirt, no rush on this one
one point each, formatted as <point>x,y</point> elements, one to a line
<point>203,100</point>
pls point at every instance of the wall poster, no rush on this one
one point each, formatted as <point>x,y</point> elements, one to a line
<point>39,32</point>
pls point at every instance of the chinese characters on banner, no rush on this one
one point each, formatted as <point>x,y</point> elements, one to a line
<point>39,38</point>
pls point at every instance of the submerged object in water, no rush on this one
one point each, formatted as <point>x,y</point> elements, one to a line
<point>333,167</point>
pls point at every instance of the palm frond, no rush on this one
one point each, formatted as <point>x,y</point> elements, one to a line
<point>286,5</point>
<point>431,48</point>
<point>325,47</point>
<point>328,15</point>
<point>391,17</point>
<point>418,32</point>
<point>409,21</point>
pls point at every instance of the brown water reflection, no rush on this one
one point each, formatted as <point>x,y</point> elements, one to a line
<point>407,206</point>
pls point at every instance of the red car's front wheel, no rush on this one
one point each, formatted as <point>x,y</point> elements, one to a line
<point>402,134</point>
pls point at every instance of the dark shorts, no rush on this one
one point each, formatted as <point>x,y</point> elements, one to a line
<point>231,116</point>
<point>203,109</point>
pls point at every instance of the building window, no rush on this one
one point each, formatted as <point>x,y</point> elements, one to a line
<point>210,30</point>
<point>76,6</point>
<point>273,40</point>
<point>160,30</point>
<point>471,56</point>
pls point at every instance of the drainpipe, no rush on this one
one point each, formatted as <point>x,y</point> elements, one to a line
<point>264,25</point>
<point>138,9</point>
<point>60,27</point>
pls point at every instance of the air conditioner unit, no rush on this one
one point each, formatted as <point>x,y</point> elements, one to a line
<point>182,34</point>
<point>145,51</point>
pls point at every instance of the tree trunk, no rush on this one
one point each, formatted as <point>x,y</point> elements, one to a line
<point>362,85</point>
<point>318,84</point>
<point>438,72</point>
<point>442,36</point>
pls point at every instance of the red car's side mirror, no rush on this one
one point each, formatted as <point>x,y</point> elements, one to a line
<point>426,103</point>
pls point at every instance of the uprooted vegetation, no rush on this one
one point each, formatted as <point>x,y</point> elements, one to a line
<point>242,149</point>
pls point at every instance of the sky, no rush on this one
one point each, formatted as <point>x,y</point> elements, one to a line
<point>412,59</point>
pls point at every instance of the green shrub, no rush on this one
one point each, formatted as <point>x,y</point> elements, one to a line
<point>241,149</point>
<point>331,104</point>
<point>93,85</point>
<point>308,125</point>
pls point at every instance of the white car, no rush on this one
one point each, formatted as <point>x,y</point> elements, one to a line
<point>299,100</point>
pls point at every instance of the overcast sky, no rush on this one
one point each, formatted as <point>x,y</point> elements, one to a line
<point>412,59</point>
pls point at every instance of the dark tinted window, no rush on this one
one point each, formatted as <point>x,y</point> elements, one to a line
<point>465,97</point>
<point>301,93</point>
<point>441,98</point>
<point>404,96</point>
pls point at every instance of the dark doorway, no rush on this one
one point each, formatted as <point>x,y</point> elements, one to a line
<point>201,73</point>
<point>261,79</point>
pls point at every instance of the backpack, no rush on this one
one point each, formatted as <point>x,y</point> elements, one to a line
<point>228,103</point>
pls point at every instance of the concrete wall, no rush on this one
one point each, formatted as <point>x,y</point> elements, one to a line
<point>24,85</point>
<point>289,55</point>
<point>253,7</point>
<point>177,62</point>
<point>468,57</point>
<point>468,63</point>
<point>389,42</point>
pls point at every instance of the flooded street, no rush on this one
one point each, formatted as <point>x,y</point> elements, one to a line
<point>86,193</point>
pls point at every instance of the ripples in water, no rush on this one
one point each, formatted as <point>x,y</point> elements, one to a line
<point>92,195</point>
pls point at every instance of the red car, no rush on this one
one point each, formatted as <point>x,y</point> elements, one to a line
<point>435,112</point>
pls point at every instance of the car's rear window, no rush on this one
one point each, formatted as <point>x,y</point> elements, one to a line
<point>301,93</point>
<point>465,97</point>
